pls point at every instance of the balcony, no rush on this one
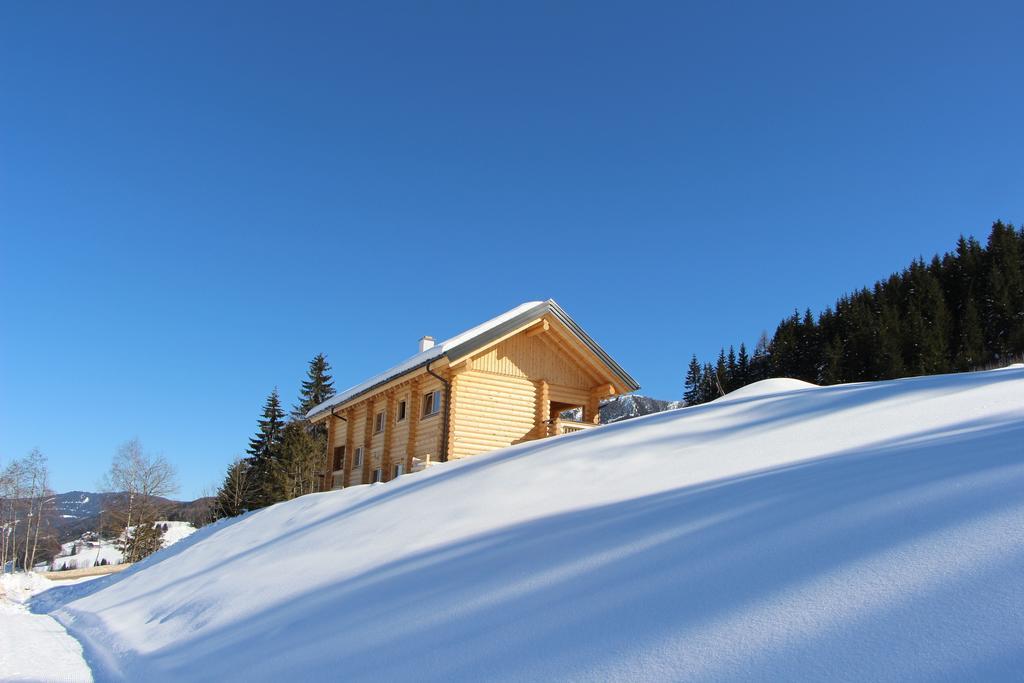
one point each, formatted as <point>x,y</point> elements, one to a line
<point>561,426</point>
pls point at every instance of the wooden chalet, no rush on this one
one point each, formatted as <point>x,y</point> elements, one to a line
<point>501,383</point>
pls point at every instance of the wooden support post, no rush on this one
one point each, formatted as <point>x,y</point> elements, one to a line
<point>385,457</point>
<point>454,380</point>
<point>413,416</point>
<point>592,411</point>
<point>444,446</point>
<point>368,442</point>
<point>328,482</point>
<point>543,397</point>
<point>349,446</point>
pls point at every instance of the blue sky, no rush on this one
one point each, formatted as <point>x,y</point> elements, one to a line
<point>195,200</point>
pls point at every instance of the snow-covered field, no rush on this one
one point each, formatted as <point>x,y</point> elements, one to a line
<point>90,554</point>
<point>787,532</point>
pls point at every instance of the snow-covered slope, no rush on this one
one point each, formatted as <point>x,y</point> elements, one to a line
<point>858,532</point>
<point>81,554</point>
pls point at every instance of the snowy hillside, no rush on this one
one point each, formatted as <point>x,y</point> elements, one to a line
<point>78,512</point>
<point>82,554</point>
<point>857,532</point>
<point>79,504</point>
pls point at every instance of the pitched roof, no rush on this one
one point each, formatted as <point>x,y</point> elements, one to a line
<point>475,338</point>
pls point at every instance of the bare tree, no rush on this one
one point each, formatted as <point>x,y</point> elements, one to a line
<point>14,499</point>
<point>203,510</point>
<point>26,505</point>
<point>140,481</point>
<point>11,490</point>
<point>40,501</point>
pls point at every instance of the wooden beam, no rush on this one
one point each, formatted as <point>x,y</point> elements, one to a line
<point>592,411</point>
<point>328,482</point>
<point>413,415</point>
<point>543,409</point>
<point>540,328</point>
<point>368,442</point>
<point>350,415</point>
<point>385,456</point>
<point>454,380</point>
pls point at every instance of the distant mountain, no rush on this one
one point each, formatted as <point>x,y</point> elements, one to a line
<point>79,504</point>
<point>624,407</point>
<point>79,511</point>
<point>621,408</point>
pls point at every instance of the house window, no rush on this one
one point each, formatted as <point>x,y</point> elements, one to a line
<point>339,457</point>
<point>399,470</point>
<point>378,423</point>
<point>357,459</point>
<point>378,475</point>
<point>401,411</point>
<point>431,403</point>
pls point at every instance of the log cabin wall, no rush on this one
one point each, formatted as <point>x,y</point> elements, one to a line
<point>428,431</point>
<point>400,442</point>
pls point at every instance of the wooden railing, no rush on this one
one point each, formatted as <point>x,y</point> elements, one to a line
<point>560,426</point>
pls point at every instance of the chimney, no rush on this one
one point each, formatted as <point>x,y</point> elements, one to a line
<point>426,343</point>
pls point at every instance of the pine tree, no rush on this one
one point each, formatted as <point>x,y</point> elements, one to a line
<point>268,436</point>
<point>730,371</point>
<point>808,349</point>
<point>721,374</point>
<point>784,348</point>
<point>1004,292</point>
<point>760,362</point>
<point>742,367</point>
<point>316,388</point>
<point>264,447</point>
<point>298,464</point>
<point>708,385</point>
<point>694,378</point>
<point>970,346</point>
<point>889,358</point>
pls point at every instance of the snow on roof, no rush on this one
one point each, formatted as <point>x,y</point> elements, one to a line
<point>424,357</point>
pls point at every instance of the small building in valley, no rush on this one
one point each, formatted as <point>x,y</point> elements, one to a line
<point>501,383</point>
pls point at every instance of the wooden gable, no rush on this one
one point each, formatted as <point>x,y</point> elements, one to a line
<point>544,349</point>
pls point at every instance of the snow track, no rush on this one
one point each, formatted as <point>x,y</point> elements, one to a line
<point>34,647</point>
